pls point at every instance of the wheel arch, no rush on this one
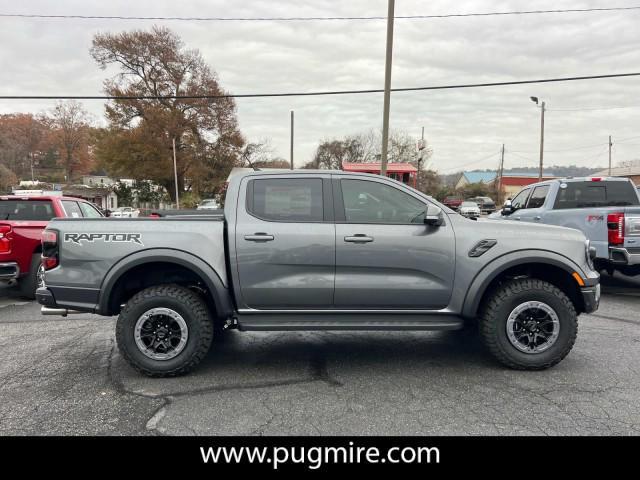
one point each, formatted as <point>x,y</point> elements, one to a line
<point>545,265</point>
<point>218,292</point>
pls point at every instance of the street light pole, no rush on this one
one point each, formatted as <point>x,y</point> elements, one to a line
<point>541,141</point>
<point>387,89</point>
<point>543,108</point>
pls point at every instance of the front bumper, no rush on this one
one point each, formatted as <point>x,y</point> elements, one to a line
<point>624,256</point>
<point>591,298</point>
<point>9,271</point>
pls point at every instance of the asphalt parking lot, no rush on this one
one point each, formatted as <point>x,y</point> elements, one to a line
<point>65,376</point>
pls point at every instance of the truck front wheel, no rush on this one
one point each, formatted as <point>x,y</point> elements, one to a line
<point>528,324</point>
<point>164,331</point>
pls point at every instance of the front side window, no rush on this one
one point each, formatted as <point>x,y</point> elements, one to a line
<point>538,197</point>
<point>520,200</point>
<point>286,199</point>
<point>373,202</point>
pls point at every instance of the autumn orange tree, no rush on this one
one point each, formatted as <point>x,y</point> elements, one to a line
<point>23,137</point>
<point>70,133</point>
<point>156,65</point>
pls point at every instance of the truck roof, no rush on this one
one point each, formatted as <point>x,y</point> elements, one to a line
<point>583,179</point>
<point>37,197</point>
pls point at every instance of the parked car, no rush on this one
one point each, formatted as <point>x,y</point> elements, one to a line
<point>486,204</point>
<point>22,221</point>
<point>606,210</point>
<point>209,204</point>
<point>469,210</point>
<point>125,212</point>
<point>310,250</point>
<point>453,202</point>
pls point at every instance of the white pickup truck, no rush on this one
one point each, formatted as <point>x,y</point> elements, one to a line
<point>606,210</point>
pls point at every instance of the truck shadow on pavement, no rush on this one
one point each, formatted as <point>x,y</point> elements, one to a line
<point>261,360</point>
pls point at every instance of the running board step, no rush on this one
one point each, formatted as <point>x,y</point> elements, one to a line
<point>290,322</point>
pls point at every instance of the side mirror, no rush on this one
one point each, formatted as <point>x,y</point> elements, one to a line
<point>433,216</point>
<point>507,208</point>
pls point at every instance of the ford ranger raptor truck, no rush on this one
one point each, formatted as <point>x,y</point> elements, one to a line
<point>320,250</point>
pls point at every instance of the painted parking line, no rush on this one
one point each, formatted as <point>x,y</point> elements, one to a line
<point>9,302</point>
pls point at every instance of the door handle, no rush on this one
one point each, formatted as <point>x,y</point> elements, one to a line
<point>259,237</point>
<point>358,238</point>
<point>516,218</point>
<point>537,218</point>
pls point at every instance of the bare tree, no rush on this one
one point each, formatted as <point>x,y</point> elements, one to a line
<point>70,124</point>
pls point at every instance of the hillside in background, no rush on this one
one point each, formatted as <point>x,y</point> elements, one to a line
<point>557,170</point>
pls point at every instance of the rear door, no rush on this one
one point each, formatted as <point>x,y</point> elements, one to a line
<point>285,242</point>
<point>386,257</point>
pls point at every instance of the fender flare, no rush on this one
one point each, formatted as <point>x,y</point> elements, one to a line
<point>219,292</point>
<point>497,266</point>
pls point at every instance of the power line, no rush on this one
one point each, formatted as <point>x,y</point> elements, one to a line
<point>583,147</point>
<point>627,138</point>
<point>470,163</point>
<point>585,109</point>
<point>311,94</point>
<point>306,19</point>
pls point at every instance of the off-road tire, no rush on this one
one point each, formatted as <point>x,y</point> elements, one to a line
<point>193,310</point>
<point>29,283</point>
<point>499,305</point>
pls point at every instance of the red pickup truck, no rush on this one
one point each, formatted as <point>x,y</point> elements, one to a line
<point>22,220</point>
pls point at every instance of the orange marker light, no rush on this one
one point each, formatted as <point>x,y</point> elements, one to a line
<point>578,279</point>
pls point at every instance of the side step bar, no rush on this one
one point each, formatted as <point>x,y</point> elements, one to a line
<point>58,311</point>
<point>280,322</point>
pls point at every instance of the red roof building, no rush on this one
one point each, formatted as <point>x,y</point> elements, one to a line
<point>403,172</point>
<point>512,184</point>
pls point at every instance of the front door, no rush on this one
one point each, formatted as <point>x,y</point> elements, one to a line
<point>386,257</point>
<point>533,210</point>
<point>285,243</point>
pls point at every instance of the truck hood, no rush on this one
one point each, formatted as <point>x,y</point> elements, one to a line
<point>525,231</point>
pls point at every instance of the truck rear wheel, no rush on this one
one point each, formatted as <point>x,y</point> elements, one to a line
<point>528,324</point>
<point>33,280</point>
<point>164,331</point>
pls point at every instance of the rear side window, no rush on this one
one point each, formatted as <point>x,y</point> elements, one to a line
<point>595,194</point>
<point>286,199</point>
<point>89,211</point>
<point>36,210</point>
<point>538,197</point>
<point>72,209</point>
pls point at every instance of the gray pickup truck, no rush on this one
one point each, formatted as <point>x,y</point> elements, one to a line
<point>606,210</point>
<point>320,250</point>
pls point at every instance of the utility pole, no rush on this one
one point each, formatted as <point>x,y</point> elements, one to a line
<point>175,173</point>
<point>610,145</point>
<point>500,171</point>
<point>541,140</point>
<point>291,152</point>
<point>387,89</point>
<point>421,147</point>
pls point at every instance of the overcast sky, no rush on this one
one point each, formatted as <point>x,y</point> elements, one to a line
<point>42,57</point>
